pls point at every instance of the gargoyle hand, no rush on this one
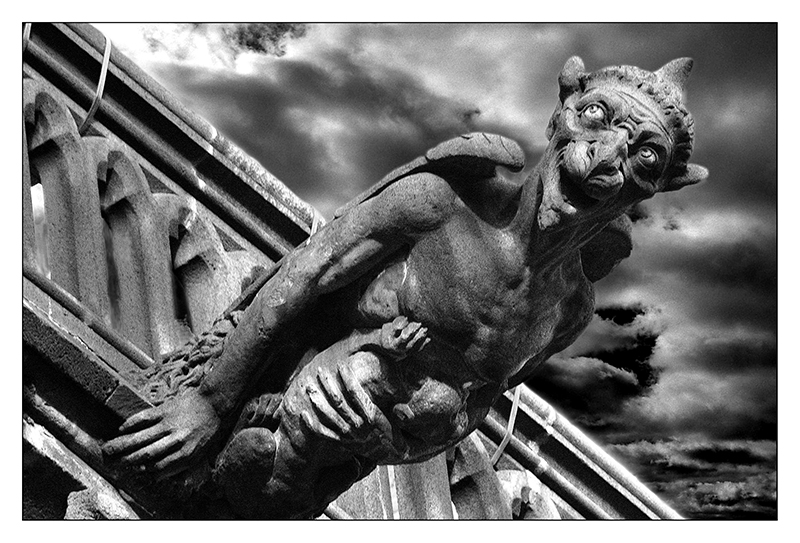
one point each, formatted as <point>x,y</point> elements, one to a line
<point>166,439</point>
<point>343,411</point>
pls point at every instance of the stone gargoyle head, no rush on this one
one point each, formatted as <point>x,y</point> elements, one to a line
<point>618,136</point>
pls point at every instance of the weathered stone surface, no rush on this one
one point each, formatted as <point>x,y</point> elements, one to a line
<point>143,306</point>
<point>529,499</point>
<point>423,491</point>
<point>392,331</point>
<point>66,354</point>
<point>370,497</point>
<point>66,320</point>
<point>475,487</point>
<point>126,402</point>
<point>89,504</point>
<point>72,488</point>
<point>414,491</point>
<point>58,159</point>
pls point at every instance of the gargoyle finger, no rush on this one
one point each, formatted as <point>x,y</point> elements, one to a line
<point>376,420</point>
<point>142,419</point>
<point>125,443</point>
<point>410,330</point>
<point>170,466</point>
<point>153,452</point>
<point>332,390</point>
<point>356,394</point>
<point>326,413</point>
<point>316,427</point>
<point>400,322</point>
<point>419,340</point>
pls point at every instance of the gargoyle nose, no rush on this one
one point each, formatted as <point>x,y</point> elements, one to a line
<point>605,176</point>
<point>605,155</point>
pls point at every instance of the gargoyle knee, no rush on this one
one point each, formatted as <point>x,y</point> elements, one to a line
<point>245,467</point>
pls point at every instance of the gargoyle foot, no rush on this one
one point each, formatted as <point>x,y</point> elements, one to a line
<point>401,337</point>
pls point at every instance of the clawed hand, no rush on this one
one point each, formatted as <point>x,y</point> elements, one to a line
<point>166,439</point>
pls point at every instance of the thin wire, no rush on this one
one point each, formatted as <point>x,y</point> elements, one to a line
<point>98,97</point>
<point>510,428</point>
<point>26,36</point>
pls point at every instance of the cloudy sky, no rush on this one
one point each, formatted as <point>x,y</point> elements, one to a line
<point>677,373</point>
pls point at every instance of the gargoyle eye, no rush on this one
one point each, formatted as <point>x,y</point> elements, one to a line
<point>647,157</point>
<point>595,112</point>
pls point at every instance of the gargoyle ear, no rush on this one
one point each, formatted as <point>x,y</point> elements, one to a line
<point>694,174</point>
<point>569,80</point>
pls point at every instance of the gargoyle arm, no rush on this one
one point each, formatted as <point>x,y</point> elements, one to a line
<point>334,257</point>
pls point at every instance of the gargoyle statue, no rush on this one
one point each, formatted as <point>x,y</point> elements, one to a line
<point>387,336</point>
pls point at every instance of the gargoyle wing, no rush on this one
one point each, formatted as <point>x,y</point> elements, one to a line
<point>471,157</point>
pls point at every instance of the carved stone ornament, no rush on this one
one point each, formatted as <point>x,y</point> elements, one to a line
<point>388,335</point>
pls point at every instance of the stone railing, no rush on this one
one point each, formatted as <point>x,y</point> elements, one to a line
<point>141,227</point>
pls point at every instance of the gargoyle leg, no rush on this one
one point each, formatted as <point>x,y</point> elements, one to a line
<point>331,431</point>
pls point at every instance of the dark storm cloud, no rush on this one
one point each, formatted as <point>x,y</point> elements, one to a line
<point>738,355</point>
<point>749,455</point>
<point>749,265</point>
<point>728,454</point>
<point>721,281</point>
<point>620,315</point>
<point>746,181</point>
<point>386,119</point>
<point>593,385</point>
<point>750,498</point>
<point>753,46</point>
<point>708,480</point>
<point>700,402</point>
<point>633,358</point>
<point>587,390</point>
<point>269,38</point>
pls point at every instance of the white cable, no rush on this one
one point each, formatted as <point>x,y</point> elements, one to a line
<point>512,418</point>
<point>26,36</point>
<point>98,96</point>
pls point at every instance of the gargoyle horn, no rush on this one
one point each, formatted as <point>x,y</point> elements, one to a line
<point>569,79</point>
<point>676,72</point>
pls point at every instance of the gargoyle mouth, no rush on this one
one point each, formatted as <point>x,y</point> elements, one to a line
<point>575,195</point>
<point>604,181</point>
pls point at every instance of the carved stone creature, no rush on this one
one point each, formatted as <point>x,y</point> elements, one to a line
<point>389,334</point>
